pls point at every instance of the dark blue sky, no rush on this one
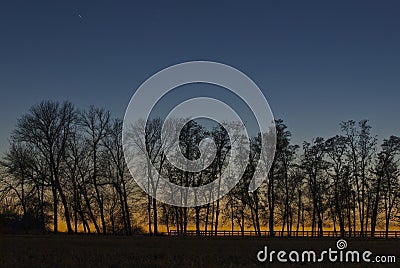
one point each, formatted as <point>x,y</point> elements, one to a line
<point>318,62</point>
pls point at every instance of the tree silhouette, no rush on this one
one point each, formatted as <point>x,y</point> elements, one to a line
<point>70,164</point>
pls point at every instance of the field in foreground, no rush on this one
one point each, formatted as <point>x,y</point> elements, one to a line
<point>145,251</point>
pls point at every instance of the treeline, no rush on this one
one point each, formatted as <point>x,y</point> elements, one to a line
<point>69,163</point>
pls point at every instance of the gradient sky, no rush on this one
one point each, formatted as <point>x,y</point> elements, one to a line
<point>317,62</point>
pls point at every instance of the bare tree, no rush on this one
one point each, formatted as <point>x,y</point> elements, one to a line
<point>337,151</point>
<point>314,165</point>
<point>387,181</point>
<point>362,148</point>
<point>77,163</point>
<point>22,176</point>
<point>47,127</point>
<point>95,122</point>
<point>118,170</point>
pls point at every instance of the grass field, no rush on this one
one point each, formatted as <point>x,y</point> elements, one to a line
<point>145,251</point>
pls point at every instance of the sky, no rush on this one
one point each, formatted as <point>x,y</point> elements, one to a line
<point>317,62</point>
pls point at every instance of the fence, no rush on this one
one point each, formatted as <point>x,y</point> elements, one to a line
<point>300,233</point>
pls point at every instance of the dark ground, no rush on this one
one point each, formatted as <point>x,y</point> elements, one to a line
<point>145,251</point>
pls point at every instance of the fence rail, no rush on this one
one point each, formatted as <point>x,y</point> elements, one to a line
<point>379,234</point>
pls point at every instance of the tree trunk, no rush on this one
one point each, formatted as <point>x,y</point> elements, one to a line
<point>155,216</point>
<point>197,210</point>
<point>55,209</point>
